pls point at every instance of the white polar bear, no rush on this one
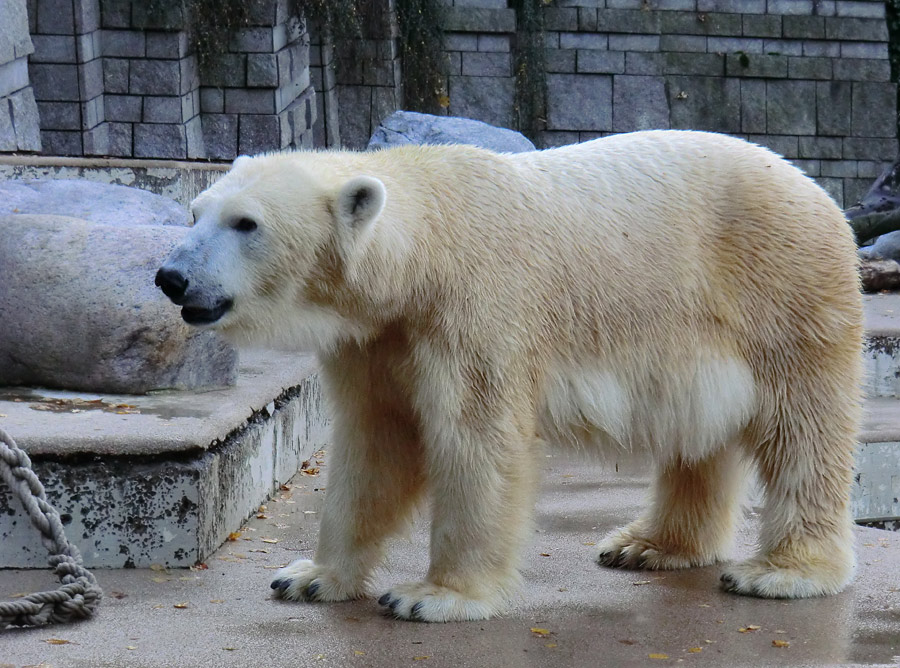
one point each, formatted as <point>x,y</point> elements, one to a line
<point>682,293</point>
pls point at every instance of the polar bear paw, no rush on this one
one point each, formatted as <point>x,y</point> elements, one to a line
<point>760,577</point>
<point>623,549</point>
<point>426,602</point>
<point>303,580</point>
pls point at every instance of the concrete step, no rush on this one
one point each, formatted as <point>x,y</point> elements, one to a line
<point>160,479</point>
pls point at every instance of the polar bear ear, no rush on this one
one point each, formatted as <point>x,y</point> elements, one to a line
<point>360,201</point>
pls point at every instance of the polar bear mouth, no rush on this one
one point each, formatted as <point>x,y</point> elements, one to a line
<point>197,315</point>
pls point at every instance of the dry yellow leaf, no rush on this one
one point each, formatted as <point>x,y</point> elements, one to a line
<point>695,650</point>
<point>229,649</point>
<point>217,600</point>
<point>543,633</point>
<point>420,658</point>
<point>57,641</point>
<point>157,567</point>
<point>551,645</point>
<point>749,628</point>
<point>545,554</point>
<point>234,535</point>
<point>781,643</point>
<point>271,541</point>
<point>637,583</point>
<point>130,647</point>
<point>359,652</point>
<point>180,606</point>
<point>589,543</point>
<point>658,656</point>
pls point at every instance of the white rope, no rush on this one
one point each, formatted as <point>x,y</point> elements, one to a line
<point>79,594</point>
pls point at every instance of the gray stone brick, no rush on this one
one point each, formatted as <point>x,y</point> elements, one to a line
<point>825,148</point>
<point>212,100</point>
<point>157,16</point>
<point>867,10</point>
<point>810,68</point>
<point>755,65</point>
<point>115,75</point>
<point>58,115</point>
<point>870,169</point>
<point>220,135</point>
<point>862,69</point>
<point>628,21</point>
<point>783,145</point>
<point>15,41</point>
<point>260,39</point>
<point>791,7</point>
<point>154,77</point>
<point>92,113</point>
<point>644,63</point>
<point>498,43</point>
<point>484,99</point>
<point>825,8</point>
<point>733,6</point>
<point>833,108</point>
<point>56,17</point>
<point>691,107</point>
<point>688,5</point>
<point>834,187</point>
<point>684,43</point>
<point>579,102</point>
<point>574,40</point>
<point>803,27</point>
<point>601,62</point>
<point>753,106</point>
<point>553,139</point>
<point>559,60</point>
<point>119,136</point>
<point>874,111</point>
<point>53,49</point>
<point>171,45</point>
<point>381,73</point>
<point>561,19</point>
<point>854,189</point>
<point>454,63</point>
<point>865,148</point>
<point>693,23</point>
<point>258,133</point>
<point>461,41</point>
<point>258,101</point>
<point>189,73</point>
<point>262,12</point>
<point>26,120</point>
<point>116,14</point>
<point>873,50</point>
<point>761,25</point>
<point>840,168</point>
<point>480,3</point>
<point>634,42</point>
<point>55,142</point>
<point>734,44</point>
<point>262,70</point>
<point>783,47</point>
<point>479,20</point>
<point>229,71</point>
<point>587,19</point>
<point>55,82</point>
<point>791,107</point>
<point>160,140</point>
<point>486,64</point>
<point>89,46</point>
<point>158,109</point>
<point>14,76</point>
<point>87,16</point>
<point>196,145</point>
<point>691,64</point>
<point>863,30</point>
<point>809,167</point>
<point>123,108</point>
<point>821,49</point>
<point>90,79</point>
<point>124,43</point>
<point>639,103</point>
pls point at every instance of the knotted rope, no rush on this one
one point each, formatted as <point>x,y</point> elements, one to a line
<point>79,594</point>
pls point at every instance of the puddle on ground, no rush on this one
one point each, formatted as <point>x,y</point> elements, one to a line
<point>69,404</point>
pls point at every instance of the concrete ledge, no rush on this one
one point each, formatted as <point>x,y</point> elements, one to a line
<point>165,485</point>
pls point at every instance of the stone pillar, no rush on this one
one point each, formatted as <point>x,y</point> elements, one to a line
<point>327,127</point>
<point>19,129</point>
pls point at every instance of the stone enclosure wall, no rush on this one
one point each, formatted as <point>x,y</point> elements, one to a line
<point>809,78</point>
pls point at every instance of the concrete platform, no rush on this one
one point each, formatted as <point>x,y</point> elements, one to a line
<point>592,616</point>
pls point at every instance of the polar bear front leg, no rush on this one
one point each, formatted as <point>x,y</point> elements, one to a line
<point>375,479</point>
<point>482,480</point>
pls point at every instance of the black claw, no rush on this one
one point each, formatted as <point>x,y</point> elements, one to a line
<point>394,603</point>
<point>416,609</point>
<point>385,599</point>
<point>312,589</point>
<point>281,584</point>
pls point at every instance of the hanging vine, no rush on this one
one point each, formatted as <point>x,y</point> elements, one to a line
<point>422,58</point>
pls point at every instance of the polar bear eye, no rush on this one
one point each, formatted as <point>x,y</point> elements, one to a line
<point>245,225</point>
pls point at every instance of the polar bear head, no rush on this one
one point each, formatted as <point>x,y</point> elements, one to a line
<point>269,256</point>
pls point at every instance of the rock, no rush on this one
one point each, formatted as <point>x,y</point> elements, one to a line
<point>79,310</point>
<point>879,275</point>
<point>885,247</point>
<point>96,202</point>
<point>408,127</point>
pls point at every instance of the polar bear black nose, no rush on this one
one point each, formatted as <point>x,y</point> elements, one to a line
<point>172,283</point>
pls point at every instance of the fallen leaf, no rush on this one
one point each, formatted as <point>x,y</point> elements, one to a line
<point>20,594</point>
<point>234,535</point>
<point>118,594</point>
<point>58,641</point>
<point>589,543</point>
<point>319,657</point>
<point>749,628</point>
<point>157,567</point>
<point>271,541</point>
<point>199,566</point>
<point>359,652</point>
<point>130,647</point>
<point>285,488</point>
<point>160,579</point>
<point>545,554</point>
<point>229,649</point>
<point>420,658</point>
<point>705,605</point>
<point>541,633</point>
<point>637,583</point>
<point>695,650</point>
<point>260,549</point>
<point>262,516</point>
<point>551,645</point>
<point>217,600</point>
<point>781,643</point>
<point>180,606</point>
<point>658,656</point>
<point>158,606</point>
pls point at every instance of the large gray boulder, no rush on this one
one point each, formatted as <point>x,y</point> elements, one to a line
<point>97,202</point>
<point>885,247</point>
<point>79,310</point>
<point>409,127</point>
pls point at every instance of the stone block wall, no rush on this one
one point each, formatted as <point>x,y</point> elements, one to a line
<point>808,78</point>
<point>113,78</point>
<point>19,127</point>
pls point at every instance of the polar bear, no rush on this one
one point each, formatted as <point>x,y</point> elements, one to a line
<point>685,294</point>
